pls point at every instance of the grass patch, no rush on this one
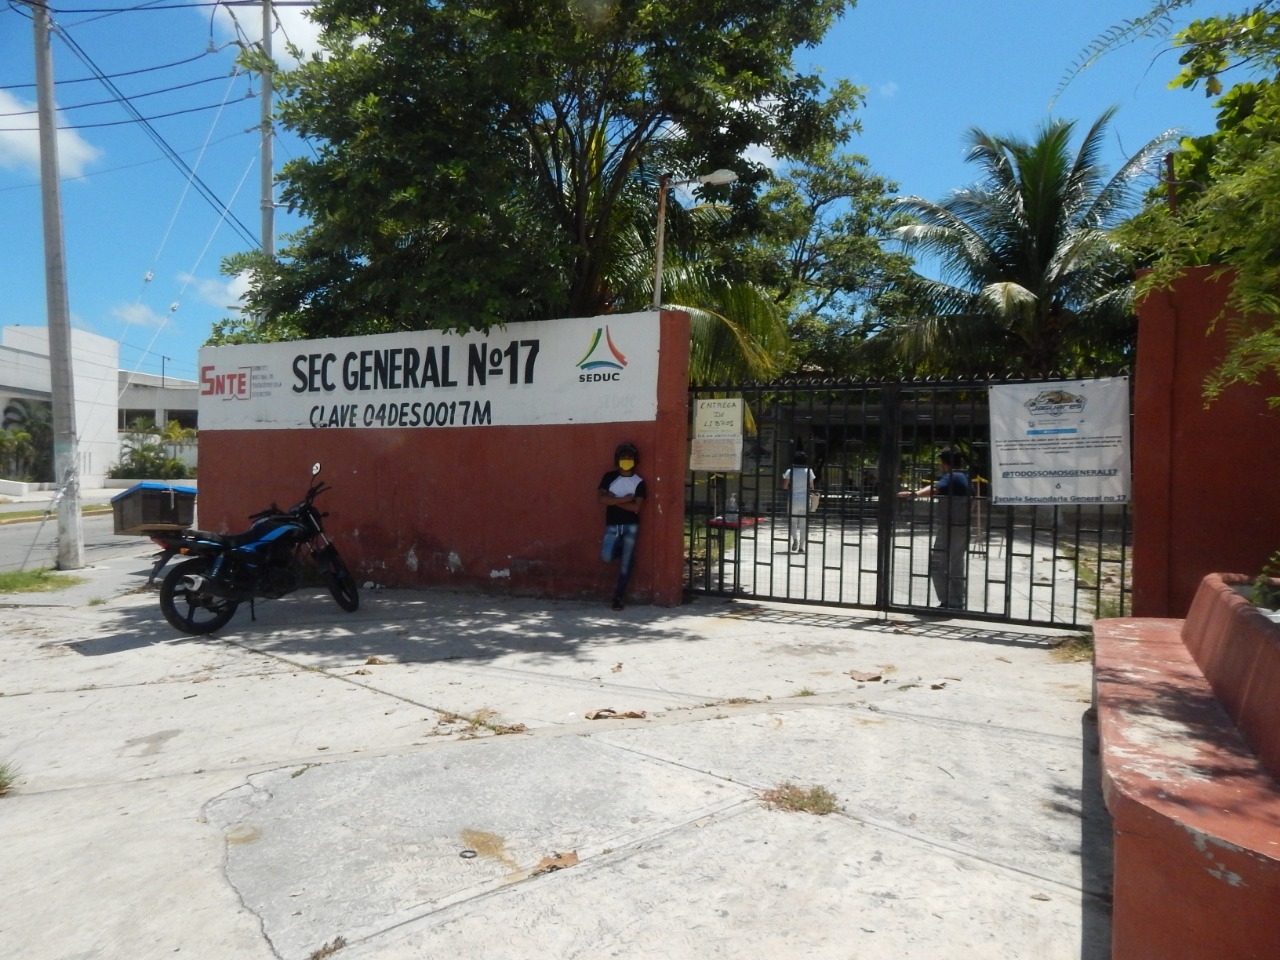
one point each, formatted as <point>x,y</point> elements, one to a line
<point>482,719</point>
<point>804,692</point>
<point>10,516</point>
<point>816,800</point>
<point>1073,649</point>
<point>1106,572</point>
<point>329,949</point>
<point>8,777</point>
<point>36,581</point>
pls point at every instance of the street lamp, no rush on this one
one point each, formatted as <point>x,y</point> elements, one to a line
<point>715,178</point>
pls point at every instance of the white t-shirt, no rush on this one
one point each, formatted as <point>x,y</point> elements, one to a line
<point>799,479</point>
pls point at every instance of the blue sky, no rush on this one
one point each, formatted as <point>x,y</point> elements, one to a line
<point>932,69</point>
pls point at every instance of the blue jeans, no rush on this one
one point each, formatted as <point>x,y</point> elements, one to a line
<point>620,543</point>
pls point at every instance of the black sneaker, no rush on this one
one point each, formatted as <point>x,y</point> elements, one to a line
<point>617,603</point>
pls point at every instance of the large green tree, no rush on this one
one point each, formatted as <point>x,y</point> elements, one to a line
<point>819,250</point>
<point>1226,185</point>
<point>490,161</point>
<point>1032,280</point>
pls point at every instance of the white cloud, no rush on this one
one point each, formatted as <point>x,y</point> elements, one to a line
<point>20,141</point>
<point>222,294</point>
<point>887,90</point>
<point>762,155</point>
<point>139,315</point>
<point>293,28</point>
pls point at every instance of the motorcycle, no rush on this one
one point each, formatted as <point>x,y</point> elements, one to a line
<point>201,595</point>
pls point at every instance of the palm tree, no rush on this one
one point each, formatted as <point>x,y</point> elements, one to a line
<point>32,419</point>
<point>1030,275</point>
<point>736,331</point>
<point>175,435</point>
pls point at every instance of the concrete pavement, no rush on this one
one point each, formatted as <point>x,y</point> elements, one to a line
<point>420,779</point>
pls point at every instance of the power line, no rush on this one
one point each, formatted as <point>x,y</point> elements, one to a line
<point>138,119</point>
<point>147,8</point>
<point>136,96</point>
<point>127,73</point>
<point>202,188</point>
<point>126,166</point>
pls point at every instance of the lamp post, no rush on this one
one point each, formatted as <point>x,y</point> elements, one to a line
<point>665,183</point>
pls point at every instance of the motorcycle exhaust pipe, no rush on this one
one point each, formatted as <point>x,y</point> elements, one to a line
<point>196,583</point>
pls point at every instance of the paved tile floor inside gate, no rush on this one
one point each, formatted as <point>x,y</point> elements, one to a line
<point>839,566</point>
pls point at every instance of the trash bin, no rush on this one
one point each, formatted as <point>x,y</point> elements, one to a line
<point>153,507</point>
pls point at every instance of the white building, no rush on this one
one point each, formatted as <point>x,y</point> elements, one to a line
<point>107,399</point>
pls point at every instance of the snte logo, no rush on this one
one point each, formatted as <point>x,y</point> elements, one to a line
<point>236,385</point>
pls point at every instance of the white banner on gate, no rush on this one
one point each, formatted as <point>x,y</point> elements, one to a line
<point>1054,443</point>
<point>595,370</point>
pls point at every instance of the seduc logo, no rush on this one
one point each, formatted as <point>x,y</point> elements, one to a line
<point>603,361</point>
<point>236,385</point>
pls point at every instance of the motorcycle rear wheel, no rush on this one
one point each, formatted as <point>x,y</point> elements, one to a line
<point>191,611</point>
<point>339,579</point>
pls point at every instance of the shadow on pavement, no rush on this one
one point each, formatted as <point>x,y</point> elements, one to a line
<point>1095,849</point>
<point>408,627</point>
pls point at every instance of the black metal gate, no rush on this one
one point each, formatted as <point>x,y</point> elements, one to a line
<point>863,546</point>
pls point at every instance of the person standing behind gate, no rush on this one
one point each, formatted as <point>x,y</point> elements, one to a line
<point>798,480</point>
<point>623,492</point>
<point>951,537</point>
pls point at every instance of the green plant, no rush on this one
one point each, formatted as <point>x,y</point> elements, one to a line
<point>482,719</point>
<point>8,776</point>
<point>36,581</point>
<point>1266,588</point>
<point>1074,649</point>
<point>27,446</point>
<point>816,800</point>
<point>143,456</point>
<point>329,949</point>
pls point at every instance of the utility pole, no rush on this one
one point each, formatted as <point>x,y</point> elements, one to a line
<point>66,453</point>
<point>267,160</point>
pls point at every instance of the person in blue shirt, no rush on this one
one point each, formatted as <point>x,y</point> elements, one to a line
<point>951,493</point>
<point>622,491</point>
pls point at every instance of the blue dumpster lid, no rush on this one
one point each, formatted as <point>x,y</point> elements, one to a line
<point>148,485</point>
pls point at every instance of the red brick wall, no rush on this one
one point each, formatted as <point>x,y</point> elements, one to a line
<point>503,508</point>
<point>1206,482</point>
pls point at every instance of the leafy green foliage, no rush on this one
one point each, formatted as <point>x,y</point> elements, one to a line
<point>1266,587</point>
<point>143,455</point>
<point>1032,280</point>
<point>488,162</point>
<point>818,249</point>
<point>26,441</point>
<point>1227,189</point>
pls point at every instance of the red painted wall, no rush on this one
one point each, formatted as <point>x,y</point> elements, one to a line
<point>511,509</point>
<point>1204,480</point>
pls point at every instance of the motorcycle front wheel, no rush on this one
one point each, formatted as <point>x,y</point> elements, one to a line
<point>338,579</point>
<point>192,611</point>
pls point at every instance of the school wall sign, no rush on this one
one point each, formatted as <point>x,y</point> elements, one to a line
<point>595,370</point>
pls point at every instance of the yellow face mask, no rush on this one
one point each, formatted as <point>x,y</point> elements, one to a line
<point>626,465</point>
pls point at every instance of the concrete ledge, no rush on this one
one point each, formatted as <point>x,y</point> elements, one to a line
<point>1196,814</point>
<point>1238,650</point>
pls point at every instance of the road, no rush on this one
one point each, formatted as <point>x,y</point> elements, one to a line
<point>32,544</point>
